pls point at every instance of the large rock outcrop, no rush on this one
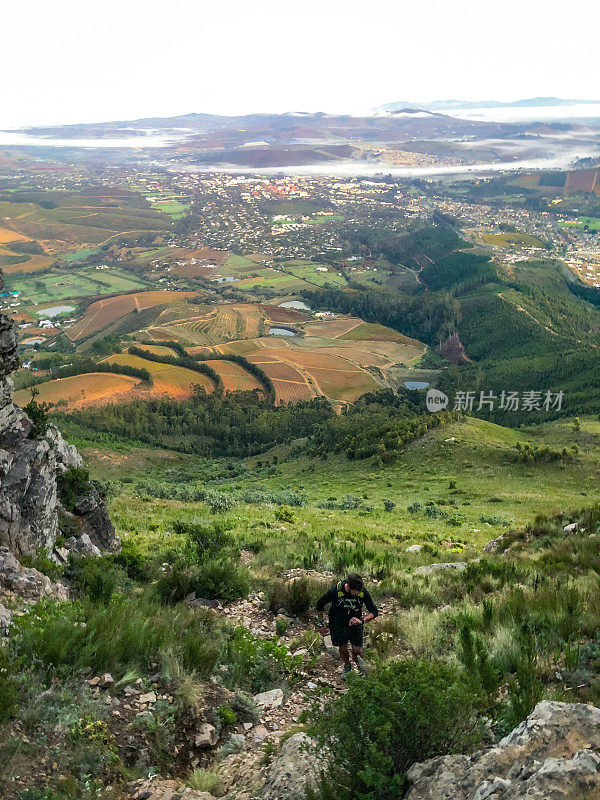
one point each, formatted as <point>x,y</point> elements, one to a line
<point>294,769</point>
<point>29,468</point>
<point>553,755</point>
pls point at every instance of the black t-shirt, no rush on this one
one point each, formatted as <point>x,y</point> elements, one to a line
<point>344,605</point>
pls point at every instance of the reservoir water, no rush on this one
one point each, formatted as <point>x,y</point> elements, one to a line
<point>297,304</point>
<point>280,332</point>
<point>54,311</point>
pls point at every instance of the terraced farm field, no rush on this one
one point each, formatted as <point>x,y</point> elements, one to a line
<point>175,381</point>
<point>278,314</point>
<point>315,273</point>
<point>221,324</point>
<point>104,312</point>
<point>290,385</point>
<point>512,240</point>
<point>268,277</point>
<point>328,374</point>
<point>156,349</point>
<point>234,376</point>
<point>80,391</point>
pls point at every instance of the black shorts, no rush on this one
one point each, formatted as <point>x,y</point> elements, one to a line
<point>340,636</point>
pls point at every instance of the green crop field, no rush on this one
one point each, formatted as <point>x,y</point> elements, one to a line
<point>512,240</point>
<point>273,278</point>
<point>237,265</point>
<point>593,223</point>
<point>320,219</point>
<point>79,255</point>
<point>312,272</point>
<point>173,208</point>
<point>59,285</point>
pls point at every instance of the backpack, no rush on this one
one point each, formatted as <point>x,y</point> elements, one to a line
<point>341,593</point>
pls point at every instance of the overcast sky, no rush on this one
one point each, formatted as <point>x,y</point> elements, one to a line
<point>90,60</point>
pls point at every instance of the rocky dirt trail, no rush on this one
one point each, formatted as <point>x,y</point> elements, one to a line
<point>318,680</point>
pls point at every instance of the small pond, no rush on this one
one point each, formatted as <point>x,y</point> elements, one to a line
<point>298,304</point>
<point>281,332</point>
<point>55,311</point>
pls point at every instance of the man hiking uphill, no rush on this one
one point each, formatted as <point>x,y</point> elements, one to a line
<point>346,619</point>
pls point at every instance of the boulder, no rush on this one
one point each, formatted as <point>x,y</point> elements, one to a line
<point>495,545</point>
<point>95,521</point>
<point>26,582</point>
<point>271,699</point>
<point>5,619</point>
<point>553,755</point>
<point>292,771</point>
<point>83,546</point>
<point>164,790</point>
<point>572,528</point>
<point>206,736</point>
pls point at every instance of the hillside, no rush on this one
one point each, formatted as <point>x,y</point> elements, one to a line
<point>257,538</point>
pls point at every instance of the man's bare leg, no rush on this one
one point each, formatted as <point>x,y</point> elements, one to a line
<point>345,656</point>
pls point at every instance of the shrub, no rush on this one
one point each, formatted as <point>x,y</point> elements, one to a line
<point>38,414</point>
<point>202,780</point>
<point>221,579</point>
<point>175,583</point>
<point>388,505</point>
<point>284,514</point>
<point>298,597</point>
<point>276,596</point>
<point>205,538</point>
<point>219,502</point>
<point>494,519</point>
<point>281,626</point>
<point>256,664</point>
<point>42,563</point>
<point>71,485</point>
<point>227,715</point>
<point>123,634</point>
<point>8,690</point>
<point>381,726</point>
<point>133,561</point>
<point>97,577</point>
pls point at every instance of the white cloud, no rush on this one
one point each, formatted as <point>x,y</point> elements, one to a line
<point>85,60</point>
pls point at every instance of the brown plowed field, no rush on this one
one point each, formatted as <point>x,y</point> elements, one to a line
<point>348,385</point>
<point>80,391</point>
<point>234,376</point>
<point>10,236</point>
<point>157,349</point>
<point>104,312</point>
<point>291,392</point>
<point>332,328</point>
<point>177,382</point>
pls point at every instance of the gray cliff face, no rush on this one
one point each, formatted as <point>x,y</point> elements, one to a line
<point>29,503</point>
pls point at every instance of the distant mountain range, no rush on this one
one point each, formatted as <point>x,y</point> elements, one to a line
<point>451,105</point>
